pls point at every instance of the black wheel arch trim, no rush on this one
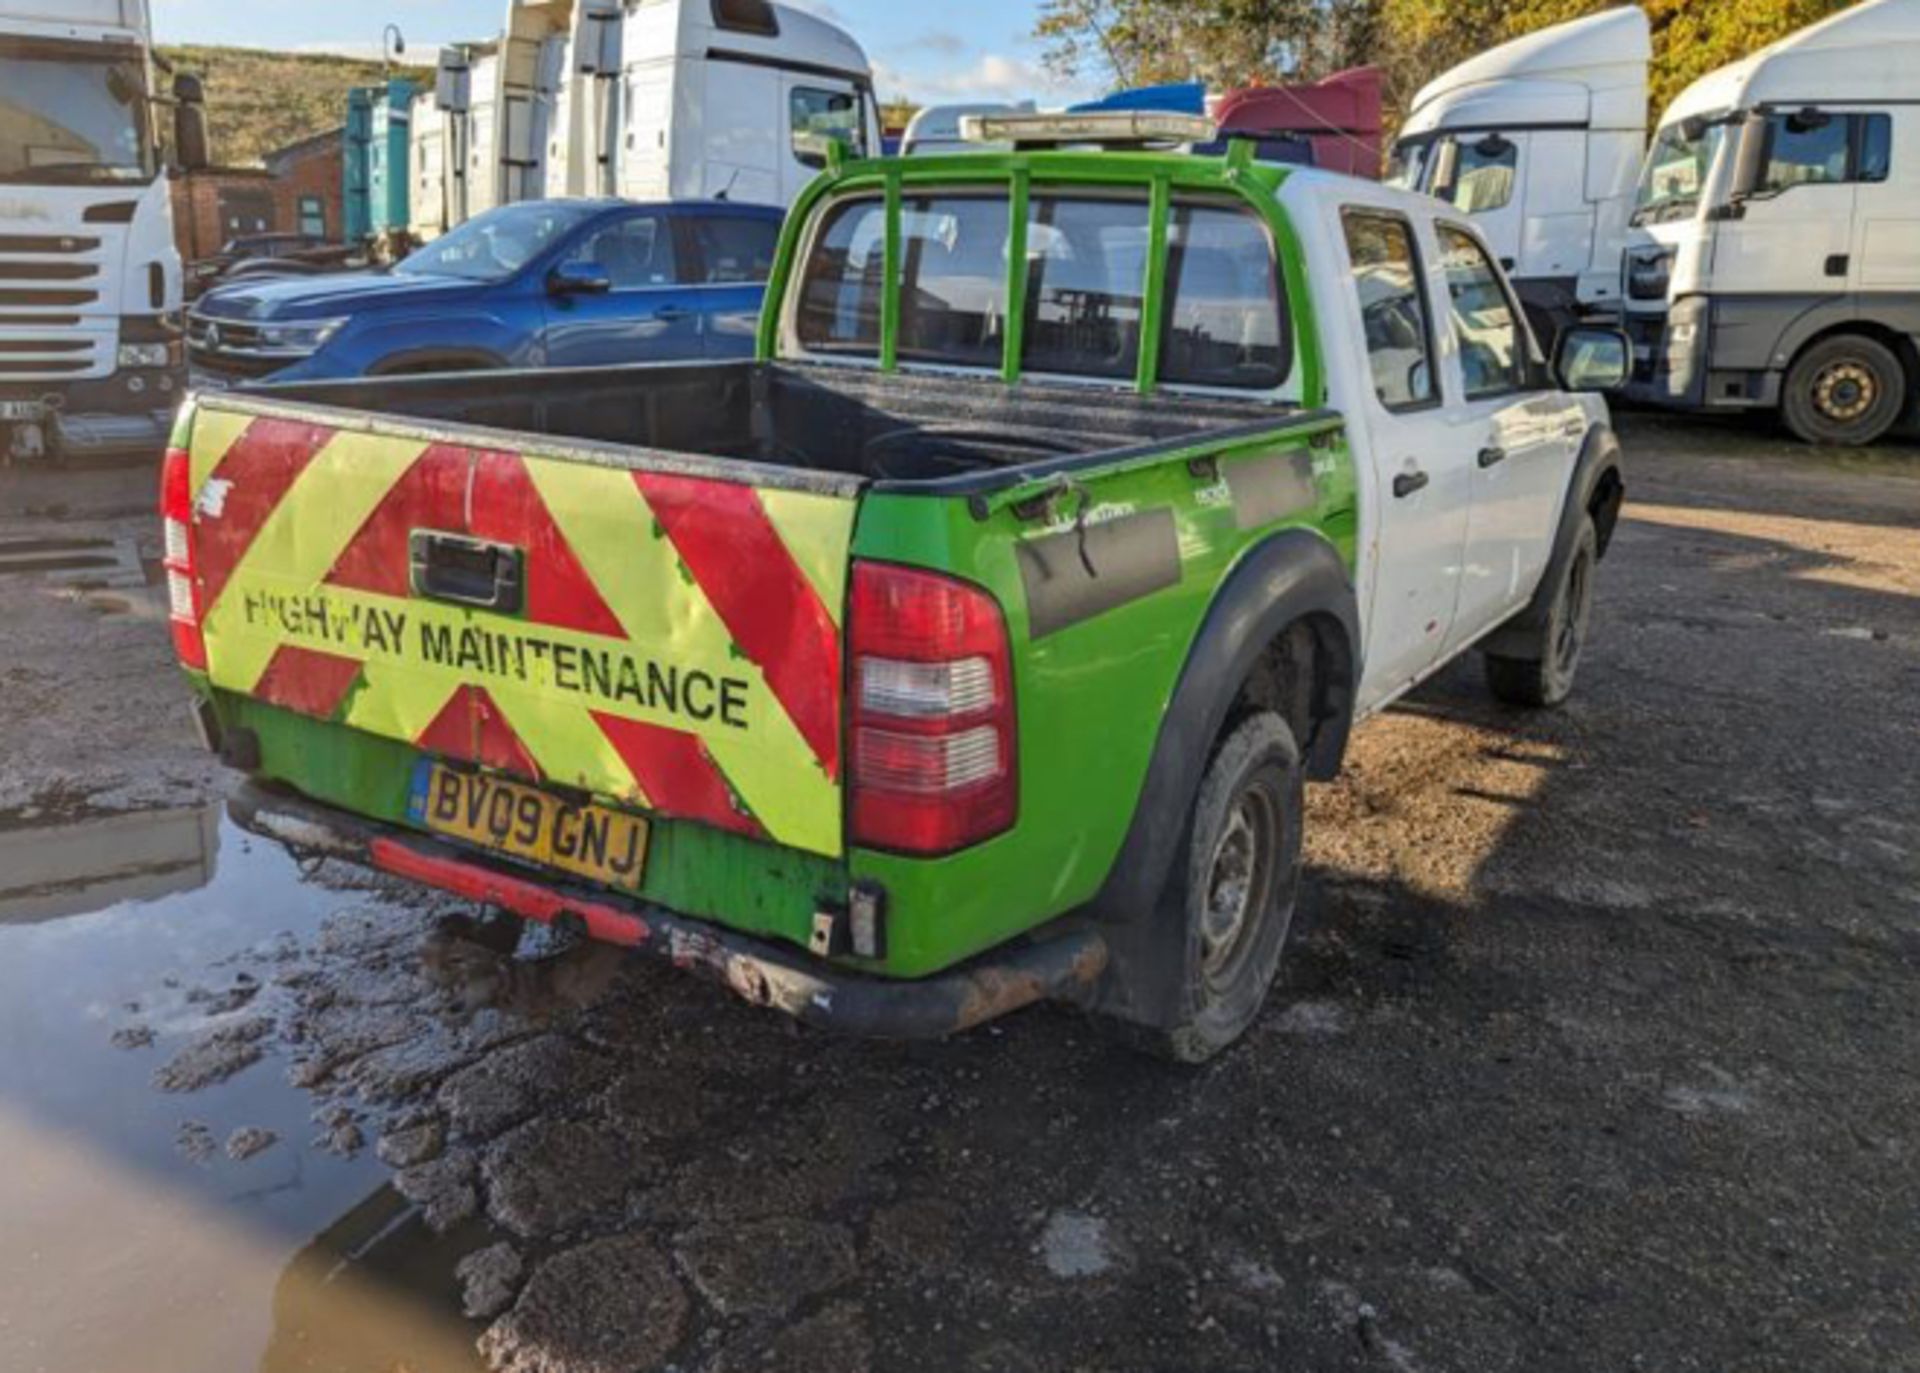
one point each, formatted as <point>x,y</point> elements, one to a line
<point>1289,576</point>
<point>1595,473</point>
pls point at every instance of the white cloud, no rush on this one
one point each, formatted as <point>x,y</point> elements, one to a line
<point>995,76</point>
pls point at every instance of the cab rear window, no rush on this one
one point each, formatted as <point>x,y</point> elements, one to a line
<point>1085,270</point>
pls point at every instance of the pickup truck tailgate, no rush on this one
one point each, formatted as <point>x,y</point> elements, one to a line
<point>668,640</point>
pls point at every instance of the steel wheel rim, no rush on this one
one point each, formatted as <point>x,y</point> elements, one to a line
<point>1573,623</point>
<point>1239,882</point>
<point>1844,391</point>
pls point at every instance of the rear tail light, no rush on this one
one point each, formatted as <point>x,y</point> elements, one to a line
<point>183,594</point>
<point>933,717</point>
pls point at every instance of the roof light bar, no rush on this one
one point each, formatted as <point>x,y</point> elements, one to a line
<point>1107,127</point>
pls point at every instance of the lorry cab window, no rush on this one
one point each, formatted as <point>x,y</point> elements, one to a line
<point>817,116</point>
<point>1810,147</point>
<point>1408,163</point>
<point>1804,149</point>
<point>495,245</point>
<point>1676,168</point>
<point>68,116</point>
<point>1483,175</point>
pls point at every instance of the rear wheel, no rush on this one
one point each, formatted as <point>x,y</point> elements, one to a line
<point>1849,389</point>
<point>1202,962</point>
<point>1545,677</point>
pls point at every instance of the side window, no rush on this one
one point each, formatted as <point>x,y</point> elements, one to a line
<point>1876,147</point>
<point>735,250</point>
<point>815,116</point>
<point>953,288</point>
<point>1492,359</point>
<point>1086,270</point>
<point>1805,148</point>
<point>1393,308</point>
<point>637,253</point>
<point>1483,176</point>
<point>840,293</point>
<point>1223,318</point>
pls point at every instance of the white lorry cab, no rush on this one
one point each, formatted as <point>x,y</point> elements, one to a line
<point>1773,259</point>
<point>936,128</point>
<point>1539,141</point>
<point>736,100</point>
<point>585,121</point>
<point>90,280</point>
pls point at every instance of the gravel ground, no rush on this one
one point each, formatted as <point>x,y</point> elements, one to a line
<point>1595,1049</point>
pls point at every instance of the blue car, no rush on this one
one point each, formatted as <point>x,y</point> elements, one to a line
<point>545,283</point>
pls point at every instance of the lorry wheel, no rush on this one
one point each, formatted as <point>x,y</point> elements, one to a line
<point>1846,390</point>
<point>1211,947</point>
<point>1546,680</point>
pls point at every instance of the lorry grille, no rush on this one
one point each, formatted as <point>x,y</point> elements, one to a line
<point>45,357</point>
<point>46,281</point>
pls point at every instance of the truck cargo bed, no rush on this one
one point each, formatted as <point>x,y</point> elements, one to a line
<point>959,432</point>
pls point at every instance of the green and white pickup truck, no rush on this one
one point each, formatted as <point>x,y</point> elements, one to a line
<point>968,648</point>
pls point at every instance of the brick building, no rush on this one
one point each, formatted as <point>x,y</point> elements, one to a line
<point>297,191</point>
<point>308,185</point>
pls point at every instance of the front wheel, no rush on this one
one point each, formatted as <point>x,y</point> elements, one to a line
<point>1544,676</point>
<point>1208,952</point>
<point>1845,390</point>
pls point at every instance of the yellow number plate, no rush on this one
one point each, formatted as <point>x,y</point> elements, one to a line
<point>605,845</point>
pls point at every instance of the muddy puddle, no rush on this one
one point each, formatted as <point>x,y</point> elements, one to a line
<point>173,1199</point>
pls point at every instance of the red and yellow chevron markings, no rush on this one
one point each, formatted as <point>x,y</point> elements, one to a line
<point>680,643</point>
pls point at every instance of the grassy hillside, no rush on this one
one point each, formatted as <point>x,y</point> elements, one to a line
<point>258,101</point>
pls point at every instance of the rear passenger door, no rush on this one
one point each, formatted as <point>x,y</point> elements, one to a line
<point>1519,430</point>
<point>648,314</point>
<point>729,257</point>
<point>1423,480</point>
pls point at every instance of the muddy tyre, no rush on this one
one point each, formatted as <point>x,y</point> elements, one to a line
<point>1543,676</point>
<point>1207,953</point>
<point>1844,390</point>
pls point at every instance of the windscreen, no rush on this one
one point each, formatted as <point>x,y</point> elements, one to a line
<point>495,245</point>
<point>1676,170</point>
<point>72,117</point>
<point>1408,163</point>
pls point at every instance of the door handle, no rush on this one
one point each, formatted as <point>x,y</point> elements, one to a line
<point>466,571</point>
<point>672,314</point>
<point>1409,482</point>
<point>1490,457</point>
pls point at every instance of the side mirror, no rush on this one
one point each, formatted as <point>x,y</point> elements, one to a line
<point>1750,164</point>
<point>1591,358</point>
<point>579,279</point>
<point>192,147</point>
<point>1446,165</point>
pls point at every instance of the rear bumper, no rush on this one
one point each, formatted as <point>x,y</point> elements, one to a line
<point>1062,967</point>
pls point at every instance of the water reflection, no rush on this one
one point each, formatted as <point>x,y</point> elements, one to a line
<point>373,1292</point>
<point>51,871</point>
<point>121,1249</point>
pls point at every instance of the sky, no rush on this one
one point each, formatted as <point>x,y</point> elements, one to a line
<point>928,52</point>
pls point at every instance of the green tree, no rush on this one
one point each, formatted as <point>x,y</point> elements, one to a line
<point>1238,42</point>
